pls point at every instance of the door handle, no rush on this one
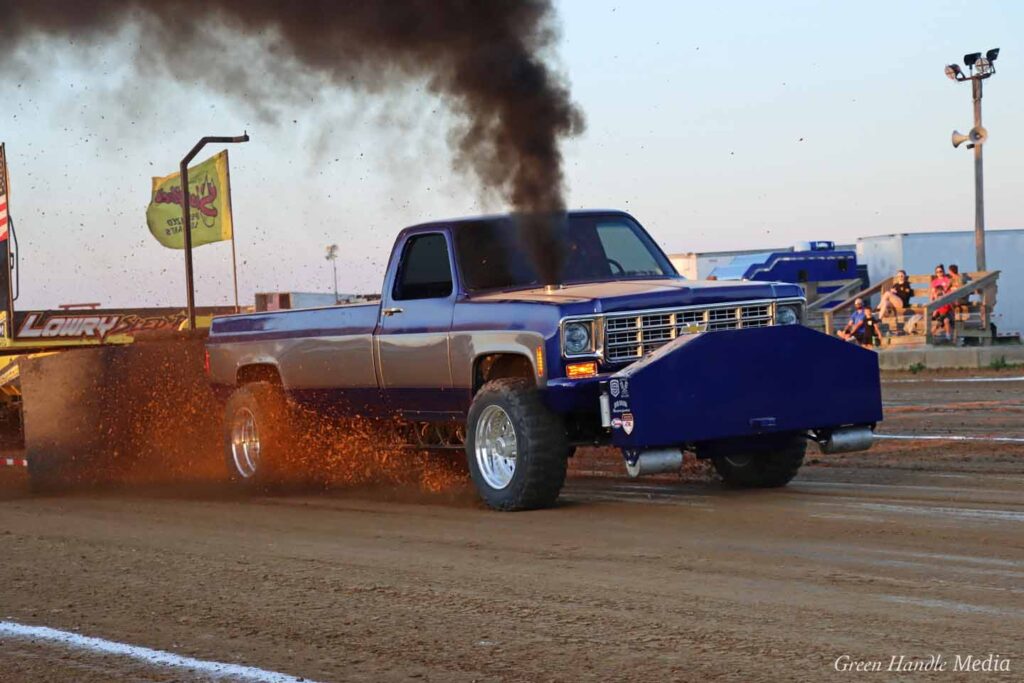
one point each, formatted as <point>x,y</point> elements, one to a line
<point>391,311</point>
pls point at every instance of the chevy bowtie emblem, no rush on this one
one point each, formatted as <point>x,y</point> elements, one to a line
<point>694,328</point>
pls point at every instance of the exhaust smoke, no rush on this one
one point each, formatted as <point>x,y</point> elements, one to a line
<point>487,60</point>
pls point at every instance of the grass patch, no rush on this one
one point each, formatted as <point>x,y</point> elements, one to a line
<point>917,367</point>
<point>998,363</point>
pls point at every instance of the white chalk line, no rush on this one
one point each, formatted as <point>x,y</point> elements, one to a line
<point>954,379</point>
<point>950,437</point>
<point>156,658</point>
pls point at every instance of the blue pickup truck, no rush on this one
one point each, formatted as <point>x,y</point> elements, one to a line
<point>473,349</point>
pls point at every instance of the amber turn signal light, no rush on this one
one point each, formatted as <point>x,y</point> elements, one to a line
<point>581,370</point>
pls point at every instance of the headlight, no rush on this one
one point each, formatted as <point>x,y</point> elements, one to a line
<point>576,337</point>
<point>787,315</point>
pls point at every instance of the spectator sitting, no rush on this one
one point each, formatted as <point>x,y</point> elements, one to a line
<point>869,334</point>
<point>942,317</point>
<point>939,279</point>
<point>856,322</point>
<point>958,280</point>
<point>897,298</point>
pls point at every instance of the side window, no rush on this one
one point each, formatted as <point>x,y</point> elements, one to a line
<point>424,272</point>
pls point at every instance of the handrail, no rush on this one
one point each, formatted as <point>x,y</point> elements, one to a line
<point>821,301</point>
<point>870,291</point>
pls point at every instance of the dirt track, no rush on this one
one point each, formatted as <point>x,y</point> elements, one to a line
<point>911,550</point>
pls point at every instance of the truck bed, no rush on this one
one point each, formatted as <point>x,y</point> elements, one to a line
<point>308,349</point>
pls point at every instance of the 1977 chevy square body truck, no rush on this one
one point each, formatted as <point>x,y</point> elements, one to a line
<point>472,349</point>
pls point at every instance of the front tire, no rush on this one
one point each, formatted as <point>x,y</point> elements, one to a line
<point>765,462</point>
<point>257,434</point>
<point>516,448</point>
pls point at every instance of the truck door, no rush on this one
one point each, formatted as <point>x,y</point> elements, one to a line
<point>416,316</point>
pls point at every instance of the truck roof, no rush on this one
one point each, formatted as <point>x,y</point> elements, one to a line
<point>498,216</point>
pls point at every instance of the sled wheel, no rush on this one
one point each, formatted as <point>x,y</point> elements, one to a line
<point>765,462</point>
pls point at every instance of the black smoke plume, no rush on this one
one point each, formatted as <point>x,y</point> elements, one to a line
<point>488,59</point>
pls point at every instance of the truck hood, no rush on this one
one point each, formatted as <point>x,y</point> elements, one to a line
<point>625,295</point>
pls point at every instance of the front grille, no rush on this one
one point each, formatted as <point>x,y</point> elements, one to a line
<point>628,337</point>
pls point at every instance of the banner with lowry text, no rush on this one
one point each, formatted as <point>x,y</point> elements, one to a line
<point>209,200</point>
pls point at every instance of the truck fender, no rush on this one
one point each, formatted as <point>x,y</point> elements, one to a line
<point>505,365</point>
<point>468,349</point>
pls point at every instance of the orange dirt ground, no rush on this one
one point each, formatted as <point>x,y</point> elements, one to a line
<point>914,548</point>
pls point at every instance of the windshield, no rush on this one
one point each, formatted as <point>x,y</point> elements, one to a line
<point>495,254</point>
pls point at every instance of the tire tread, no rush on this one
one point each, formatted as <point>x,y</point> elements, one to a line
<point>546,444</point>
<point>773,465</point>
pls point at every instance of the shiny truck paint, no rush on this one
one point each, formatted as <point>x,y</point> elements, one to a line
<point>412,341</point>
<point>422,361</point>
<point>315,347</point>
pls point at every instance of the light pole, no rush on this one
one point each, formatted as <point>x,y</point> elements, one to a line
<point>332,256</point>
<point>980,68</point>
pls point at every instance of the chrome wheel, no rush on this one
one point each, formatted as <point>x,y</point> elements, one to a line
<point>495,446</point>
<point>245,443</point>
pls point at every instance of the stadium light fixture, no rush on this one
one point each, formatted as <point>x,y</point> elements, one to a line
<point>332,256</point>
<point>980,68</point>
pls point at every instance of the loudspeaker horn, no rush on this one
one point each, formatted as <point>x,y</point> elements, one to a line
<point>977,135</point>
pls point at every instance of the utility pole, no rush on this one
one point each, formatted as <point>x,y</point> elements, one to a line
<point>332,256</point>
<point>980,68</point>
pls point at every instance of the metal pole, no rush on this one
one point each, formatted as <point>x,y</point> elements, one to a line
<point>234,257</point>
<point>186,219</point>
<point>334,262</point>
<point>186,214</point>
<point>979,184</point>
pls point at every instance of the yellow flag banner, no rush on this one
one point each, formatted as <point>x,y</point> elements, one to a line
<point>209,202</point>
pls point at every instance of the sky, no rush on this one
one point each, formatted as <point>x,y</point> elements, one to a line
<point>728,125</point>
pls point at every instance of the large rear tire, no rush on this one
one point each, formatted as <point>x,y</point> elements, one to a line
<point>764,462</point>
<point>257,434</point>
<point>516,448</point>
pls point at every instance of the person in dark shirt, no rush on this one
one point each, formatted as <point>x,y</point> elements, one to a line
<point>868,334</point>
<point>896,298</point>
